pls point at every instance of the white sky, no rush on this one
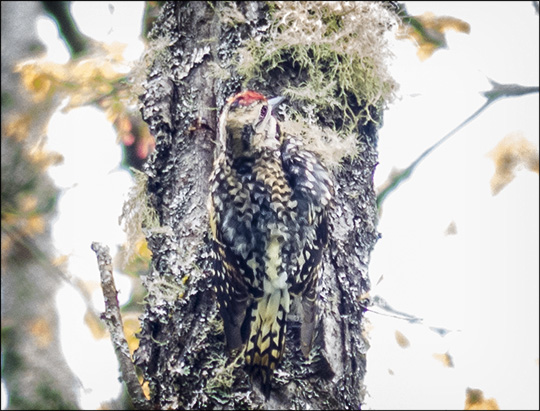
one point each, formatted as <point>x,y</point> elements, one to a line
<point>481,283</point>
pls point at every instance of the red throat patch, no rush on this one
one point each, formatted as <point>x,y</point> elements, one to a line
<point>245,98</point>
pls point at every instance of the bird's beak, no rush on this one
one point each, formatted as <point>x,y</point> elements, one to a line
<point>275,101</point>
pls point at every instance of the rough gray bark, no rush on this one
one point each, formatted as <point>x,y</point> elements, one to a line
<point>182,351</point>
<point>33,366</point>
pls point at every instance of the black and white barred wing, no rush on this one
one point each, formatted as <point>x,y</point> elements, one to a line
<point>312,190</point>
<point>229,278</point>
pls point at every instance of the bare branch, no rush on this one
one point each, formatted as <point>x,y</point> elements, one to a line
<point>113,319</point>
<point>60,11</point>
<point>508,90</point>
<point>497,92</point>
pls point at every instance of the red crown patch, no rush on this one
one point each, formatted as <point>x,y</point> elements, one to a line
<point>245,98</point>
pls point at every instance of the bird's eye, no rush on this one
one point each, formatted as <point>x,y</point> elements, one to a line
<point>264,110</point>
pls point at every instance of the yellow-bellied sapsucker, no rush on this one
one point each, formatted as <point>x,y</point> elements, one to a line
<point>268,213</point>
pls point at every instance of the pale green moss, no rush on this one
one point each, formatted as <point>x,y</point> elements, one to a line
<point>340,51</point>
<point>222,376</point>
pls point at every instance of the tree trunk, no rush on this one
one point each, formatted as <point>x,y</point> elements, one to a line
<point>182,350</point>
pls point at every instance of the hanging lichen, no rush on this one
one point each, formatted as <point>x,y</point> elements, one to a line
<point>339,47</point>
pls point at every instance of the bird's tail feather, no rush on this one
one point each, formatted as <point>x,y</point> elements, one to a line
<point>266,342</point>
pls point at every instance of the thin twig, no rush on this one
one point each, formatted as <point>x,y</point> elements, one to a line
<point>113,319</point>
<point>497,92</point>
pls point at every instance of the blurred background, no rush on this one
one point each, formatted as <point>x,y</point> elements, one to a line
<point>455,316</point>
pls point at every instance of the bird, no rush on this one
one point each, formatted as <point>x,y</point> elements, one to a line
<point>268,206</point>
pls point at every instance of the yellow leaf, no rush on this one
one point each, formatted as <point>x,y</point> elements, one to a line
<point>131,328</point>
<point>6,245</point>
<point>475,401</point>
<point>428,31</point>
<point>34,224</point>
<point>60,260</point>
<point>38,77</point>
<point>402,341</point>
<point>445,23</point>
<point>28,203</point>
<point>84,81</point>
<point>9,219</point>
<point>18,126</point>
<point>115,50</point>
<point>43,159</point>
<point>40,329</point>
<point>146,389</point>
<point>425,50</point>
<point>142,249</point>
<point>96,326</point>
<point>445,358</point>
<point>511,152</point>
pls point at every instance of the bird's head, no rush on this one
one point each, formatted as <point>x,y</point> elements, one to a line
<point>247,124</point>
